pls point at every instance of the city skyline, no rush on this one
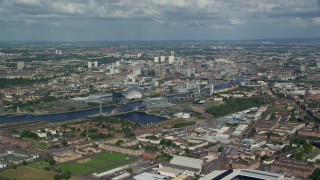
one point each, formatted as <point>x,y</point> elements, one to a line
<point>80,20</point>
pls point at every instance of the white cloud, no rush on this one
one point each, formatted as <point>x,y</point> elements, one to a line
<point>30,21</point>
<point>299,22</point>
<point>236,21</point>
<point>316,20</point>
<point>188,12</point>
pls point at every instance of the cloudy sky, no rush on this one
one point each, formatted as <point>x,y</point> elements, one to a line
<point>91,20</point>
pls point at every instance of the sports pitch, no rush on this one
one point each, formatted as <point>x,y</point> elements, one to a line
<point>98,163</point>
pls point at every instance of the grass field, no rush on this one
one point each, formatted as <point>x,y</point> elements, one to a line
<point>98,163</point>
<point>112,156</point>
<point>76,168</point>
<point>116,165</point>
<point>26,172</point>
<point>39,164</point>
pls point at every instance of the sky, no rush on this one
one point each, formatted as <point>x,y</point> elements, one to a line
<point>113,20</point>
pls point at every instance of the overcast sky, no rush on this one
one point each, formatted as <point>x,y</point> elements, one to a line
<point>103,20</point>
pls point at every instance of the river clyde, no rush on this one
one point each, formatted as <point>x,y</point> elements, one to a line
<point>139,117</point>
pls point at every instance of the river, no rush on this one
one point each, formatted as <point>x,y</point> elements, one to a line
<point>139,117</point>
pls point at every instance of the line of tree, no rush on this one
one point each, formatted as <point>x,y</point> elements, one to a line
<point>8,82</point>
<point>184,124</point>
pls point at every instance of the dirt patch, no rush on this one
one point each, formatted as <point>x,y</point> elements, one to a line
<point>83,161</point>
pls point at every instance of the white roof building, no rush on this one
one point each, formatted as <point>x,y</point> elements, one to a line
<point>242,174</point>
<point>187,162</point>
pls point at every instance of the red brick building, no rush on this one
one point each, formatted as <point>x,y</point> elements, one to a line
<point>309,133</point>
<point>298,168</point>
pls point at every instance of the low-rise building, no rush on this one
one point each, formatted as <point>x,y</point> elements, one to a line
<point>298,168</point>
<point>181,165</point>
<point>65,155</point>
<point>307,132</point>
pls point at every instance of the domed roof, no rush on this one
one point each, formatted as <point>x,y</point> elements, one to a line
<point>133,92</point>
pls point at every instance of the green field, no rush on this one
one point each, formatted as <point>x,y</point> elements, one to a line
<point>39,164</point>
<point>76,168</point>
<point>98,163</point>
<point>26,172</point>
<point>116,165</point>
<point>113,156</point>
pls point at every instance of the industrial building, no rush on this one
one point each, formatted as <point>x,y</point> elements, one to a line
<point>181,165</point>
<point>242,174</point>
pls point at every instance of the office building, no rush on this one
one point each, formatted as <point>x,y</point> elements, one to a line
<point>156,59</point>
<point>95,63</point>
<point>162,59</point>
<point>171,59</point>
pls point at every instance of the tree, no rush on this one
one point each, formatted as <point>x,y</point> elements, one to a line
<point>83,133</point>
<point>316,174</point>
<point>13,166</point>
<point>64,143</point>
<point>308,117</point>
<point>130,170</point>
<point>49,133</point>
<point>24,162</point>
<point>220,149</point>
<point>29,134</point>
<point>287,148</point>
<point>119,142</point>
<point>264,157</point>
<point>50,159</point>
<point>57,177</point>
